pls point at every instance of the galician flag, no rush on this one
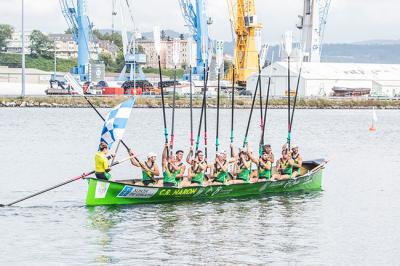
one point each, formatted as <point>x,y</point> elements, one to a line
<point>115,122</point>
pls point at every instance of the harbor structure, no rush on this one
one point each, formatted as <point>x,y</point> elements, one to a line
<point>166,52</point>
<point>323,79</point>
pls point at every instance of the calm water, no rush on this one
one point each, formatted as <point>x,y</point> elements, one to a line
<point>353,221</point>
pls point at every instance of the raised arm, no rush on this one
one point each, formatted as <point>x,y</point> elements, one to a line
<point>300,164</point>
<point>189,156</point>
<point>156,170</point>
<point>182,169</point>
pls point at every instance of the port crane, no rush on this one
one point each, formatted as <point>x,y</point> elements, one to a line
<point>75,13</point>
<point>195,16</point>
<point>133,59</point>
<point>246,34</point>
<point>312,25</point>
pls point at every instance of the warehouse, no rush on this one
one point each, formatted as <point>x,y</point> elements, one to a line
<point>319,79</point>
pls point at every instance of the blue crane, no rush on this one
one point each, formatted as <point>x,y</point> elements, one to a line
<point>197,21</point>
<point>81,27</point>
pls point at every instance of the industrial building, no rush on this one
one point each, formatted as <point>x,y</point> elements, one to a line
<point>320,79</point>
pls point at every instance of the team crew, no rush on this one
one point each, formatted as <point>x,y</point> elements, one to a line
<point>289,166</point>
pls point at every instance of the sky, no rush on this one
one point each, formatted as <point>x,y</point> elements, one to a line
<point>348,20</point>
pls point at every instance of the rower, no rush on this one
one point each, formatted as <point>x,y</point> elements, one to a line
<point>170,168</point>
<point>149,169</point>
<point>284,167</point>
<point>198,167</point>
<point>264,166</point>
<point>298,161</point>
<point>101,162</point>
<point>219,172</point>
<point>268,150</point>
<point>182,167</point>
<point>242,168</point>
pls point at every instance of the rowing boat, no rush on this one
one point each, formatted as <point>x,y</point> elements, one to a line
<point>102,192</point>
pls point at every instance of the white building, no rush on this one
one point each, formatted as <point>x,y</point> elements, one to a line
<point>166,53</point>
<point>14,45</point>
<point>319,79</point>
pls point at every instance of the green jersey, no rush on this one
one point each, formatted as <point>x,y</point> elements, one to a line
<point>286,168</point>
<point>147,175</point>
<point>264,173</point>
<point>220,175</point>
<point>170,176</point>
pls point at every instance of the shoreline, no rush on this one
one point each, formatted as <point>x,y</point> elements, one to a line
<point>183,103</point>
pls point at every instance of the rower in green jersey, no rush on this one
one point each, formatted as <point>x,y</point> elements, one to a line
<point>180,177</point>
<point>284,167</point>
<point>198,167</point>
<point>170,168</point>
<point>102,167</point>
<point>264,165</point>
<point>219,171</point>
<point>298,161</point>
<point>242,168</point>
<point>149,169</point>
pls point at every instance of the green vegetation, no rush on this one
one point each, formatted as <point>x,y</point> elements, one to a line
<point>41,45</point>
<point>37,62</point>
<point>6,32</point>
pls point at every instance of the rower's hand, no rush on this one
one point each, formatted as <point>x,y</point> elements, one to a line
<point>113,155</point>
<point>191,148</point>
<point>132,154</point>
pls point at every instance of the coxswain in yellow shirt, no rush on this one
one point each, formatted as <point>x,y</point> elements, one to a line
<point>101,162</point>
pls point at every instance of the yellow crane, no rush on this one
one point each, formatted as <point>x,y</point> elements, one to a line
<point>246,30</point>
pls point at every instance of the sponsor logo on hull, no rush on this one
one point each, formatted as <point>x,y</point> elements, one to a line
<point>137,192</point>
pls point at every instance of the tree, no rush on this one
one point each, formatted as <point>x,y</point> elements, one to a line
<point>163,35</point>
<point>41,45</point>
<point>106,58</point>
<point>6,32</point>
<point>114,37</point>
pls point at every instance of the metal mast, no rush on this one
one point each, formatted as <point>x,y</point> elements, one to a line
<point>312,24</point>
<point>197,21</point>
<point>78,22</point>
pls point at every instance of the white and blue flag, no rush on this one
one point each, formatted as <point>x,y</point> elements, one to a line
<point>115,122</point>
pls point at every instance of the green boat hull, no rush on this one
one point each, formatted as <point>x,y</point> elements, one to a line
<point>102,192</point>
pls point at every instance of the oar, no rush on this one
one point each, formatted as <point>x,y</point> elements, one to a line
<point>266,104</point>
<point>245,141</point>
<point>232,106</point>
<point>201,116</point>
<point>191,107</point>
<point>173,113</point>
<point>218,99</point>
<point>295,99</point>
<point>289,117</point>
<point>265,114</point>
<point>205,114</point>
<point>61,184</point>
<point>288,49</point>
<point>163,103</point>
<point>261,103</point>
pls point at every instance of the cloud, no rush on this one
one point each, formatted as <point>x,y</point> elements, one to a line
<point>348,21</point>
